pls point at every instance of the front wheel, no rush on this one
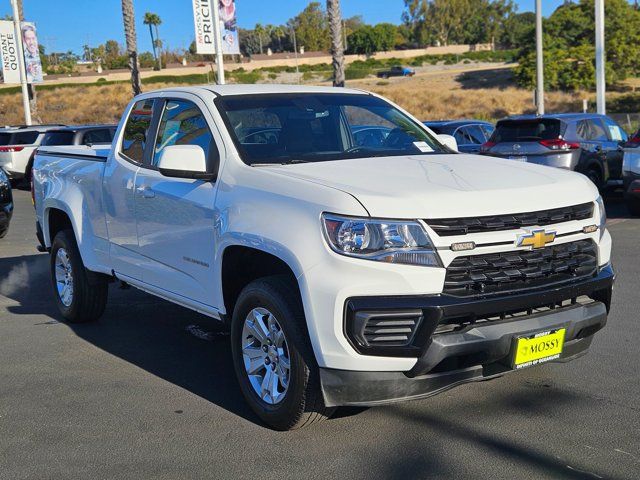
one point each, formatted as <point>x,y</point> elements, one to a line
<point>595,176</point>
<point>272,355</point>
<point>81,295</point>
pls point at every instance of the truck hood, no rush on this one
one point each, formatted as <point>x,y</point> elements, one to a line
<point>445,186</point>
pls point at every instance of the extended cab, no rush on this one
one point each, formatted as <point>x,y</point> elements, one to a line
<point>348,274</point>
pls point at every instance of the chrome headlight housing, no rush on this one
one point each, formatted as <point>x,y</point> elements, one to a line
<point>602,216</point>
<point>3,177</point>
<point>382,240</point>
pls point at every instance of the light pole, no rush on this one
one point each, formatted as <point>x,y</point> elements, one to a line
<point>218,44</point>
<point>600,81</point>
<point>23,72</point>
<point>295,48</point>
<point>539,60</point>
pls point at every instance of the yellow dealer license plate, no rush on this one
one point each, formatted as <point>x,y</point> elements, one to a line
<point>538,348</point>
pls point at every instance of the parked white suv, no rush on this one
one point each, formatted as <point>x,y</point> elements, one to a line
<point>348,274</point>
<point>17,145</point>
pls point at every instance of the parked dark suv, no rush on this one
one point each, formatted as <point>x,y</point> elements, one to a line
<point>587,143</point>
<point>80,135</point>
<point>469,134</point>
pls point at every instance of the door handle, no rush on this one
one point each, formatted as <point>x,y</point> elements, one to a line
<point>146,192</point>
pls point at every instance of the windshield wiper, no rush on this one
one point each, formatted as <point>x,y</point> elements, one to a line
<point>294,161</point>
<point>288,162</point>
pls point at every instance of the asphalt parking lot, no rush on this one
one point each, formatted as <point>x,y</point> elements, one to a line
<point>149,392</point>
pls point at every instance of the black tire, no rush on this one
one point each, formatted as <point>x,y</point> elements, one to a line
<point>303,403</point>
<point>89,289</point>
<point>595,176</point>
<point>633,205</point>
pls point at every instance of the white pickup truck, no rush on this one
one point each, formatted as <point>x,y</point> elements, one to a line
<point>357,258</point>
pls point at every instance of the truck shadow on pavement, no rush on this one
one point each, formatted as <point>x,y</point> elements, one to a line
<point>171,342</point>
<point>192,352</point>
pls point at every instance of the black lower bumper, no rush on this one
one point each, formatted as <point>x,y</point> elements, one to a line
<point>478,351</point>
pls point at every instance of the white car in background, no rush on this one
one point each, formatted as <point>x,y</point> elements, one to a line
<point>17,145</point>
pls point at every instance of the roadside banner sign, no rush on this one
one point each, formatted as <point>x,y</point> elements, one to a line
<point>203,18</point>
<point>9,53</point>
<point>32,62</point>
<point>229,27</point>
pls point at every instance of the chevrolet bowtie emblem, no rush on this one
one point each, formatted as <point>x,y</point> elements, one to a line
<point>535,239</point>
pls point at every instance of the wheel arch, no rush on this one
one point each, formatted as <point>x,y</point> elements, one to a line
<point>241,264</point>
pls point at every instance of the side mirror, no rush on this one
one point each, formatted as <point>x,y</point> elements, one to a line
<point>184,161</point>
<point>448,141</point>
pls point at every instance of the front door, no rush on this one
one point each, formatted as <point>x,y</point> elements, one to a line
<point>118,185</point>
<point>175,216</point>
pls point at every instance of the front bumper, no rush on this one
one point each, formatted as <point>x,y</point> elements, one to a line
<point>478,351</point>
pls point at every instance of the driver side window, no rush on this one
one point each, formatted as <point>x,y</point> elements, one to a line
<point>182,123</point>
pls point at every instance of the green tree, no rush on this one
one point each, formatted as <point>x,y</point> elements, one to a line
<point>385,36</point>
<point>259,30</point>
<point>363,41</point>
<point>569,39</point>
<point>153,20</point>
<point>278,31</point>
<point>519,30</point>
<point>311,28</point>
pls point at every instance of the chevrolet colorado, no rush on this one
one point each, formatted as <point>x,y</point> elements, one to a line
<point>349,274</point>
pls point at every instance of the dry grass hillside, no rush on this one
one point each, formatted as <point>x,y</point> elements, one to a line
<point>488,94</point>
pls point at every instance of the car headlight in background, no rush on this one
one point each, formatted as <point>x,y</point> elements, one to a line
<point>391,241</point>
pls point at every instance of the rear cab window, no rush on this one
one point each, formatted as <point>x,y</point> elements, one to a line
<point>58,138</point>
<point>98,136</point>
<point>529,130</point>
<point>134,138</point>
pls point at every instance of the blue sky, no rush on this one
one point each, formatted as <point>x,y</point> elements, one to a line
<point>68,24</point>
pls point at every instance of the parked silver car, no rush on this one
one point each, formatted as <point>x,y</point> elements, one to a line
<point>17,146</point>
<point>588,143</point>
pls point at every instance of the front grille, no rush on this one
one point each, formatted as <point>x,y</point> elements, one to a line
<point>446,227</point>
<point>507,271</point>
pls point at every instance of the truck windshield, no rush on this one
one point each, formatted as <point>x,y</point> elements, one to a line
<point>293,128</point>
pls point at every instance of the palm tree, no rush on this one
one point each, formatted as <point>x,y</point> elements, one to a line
<point>153,20</point>
<point>278,31</point>
<point>337,48</point>
<point>129,21</point>
<point>259,31</point>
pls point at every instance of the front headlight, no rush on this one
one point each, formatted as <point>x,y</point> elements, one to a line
<point>391,241</point>
<point>602,212</point>
<point>3,177</point>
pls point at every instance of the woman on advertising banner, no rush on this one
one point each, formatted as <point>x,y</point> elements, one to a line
<point>229,27</point>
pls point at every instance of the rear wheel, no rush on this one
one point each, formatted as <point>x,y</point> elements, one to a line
<point>81,295</point>
<point>272,355</point>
